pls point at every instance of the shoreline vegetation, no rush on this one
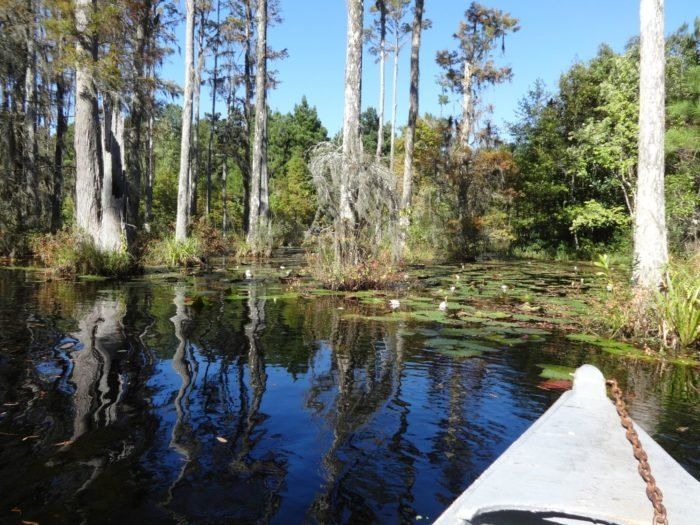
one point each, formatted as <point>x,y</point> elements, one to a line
<point>103,176</point>
<point>593,304</point>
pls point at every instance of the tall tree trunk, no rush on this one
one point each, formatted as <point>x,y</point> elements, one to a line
<point>412,108</point>
<point>247,112</point>
<point>394,100</point>
<point>31,176</point>
<point>61,126</point>
<point>259,201</point>
<point>650,244</point>
<point>352,143</point>
<point>224,199</point>
<point>381,5</point>
<point>466,127</point>
<point>135,153</point>
<point>88,148</point>
<point>149,176</point>
<point>182,190</point>
<point>193,176</point>
<point>212,126</point>
<point>112,228</point>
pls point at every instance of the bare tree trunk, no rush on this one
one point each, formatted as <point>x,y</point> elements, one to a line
<point>382,81</point>
<point>466,127</point>
<point>247,111</point>
<point>394,101</point>
<point>31,178</point>
<point>224,199</point>
<point>149,175</point>
<point>259,201</point>
<point>212,127</point>
<point>61,126</point>
<point>193,177</point>
<point>112,228</point>
<point>182,190</point>
<point>650,244</point>
<point>88,158</point>
<point>413,107</point>
<point>352,143</point>
<point>134,168</point>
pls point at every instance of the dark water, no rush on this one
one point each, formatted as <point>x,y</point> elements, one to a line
<point>171,401</point>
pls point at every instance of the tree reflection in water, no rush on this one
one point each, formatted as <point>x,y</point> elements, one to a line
<point>206,401</point>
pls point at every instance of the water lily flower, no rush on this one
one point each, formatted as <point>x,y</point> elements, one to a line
<point>504,288</point>
<point>443,305</point>
<point>248,274</point>
<point>394,304</point>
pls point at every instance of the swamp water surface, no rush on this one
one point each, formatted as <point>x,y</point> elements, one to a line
<point>213,399</point>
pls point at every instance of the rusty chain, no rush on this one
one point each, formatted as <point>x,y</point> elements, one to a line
<point>653,492</point>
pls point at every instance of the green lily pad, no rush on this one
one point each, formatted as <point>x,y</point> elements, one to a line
<point>556,372</point>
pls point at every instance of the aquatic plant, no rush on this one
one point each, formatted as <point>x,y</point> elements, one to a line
<point>678,309</point>
<point>173,253</point>
<point>70,253</point>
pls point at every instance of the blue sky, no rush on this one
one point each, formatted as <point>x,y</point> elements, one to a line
<point>553,35</point>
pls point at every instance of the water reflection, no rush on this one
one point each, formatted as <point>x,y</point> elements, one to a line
<point>97,388</point>
<point>203,402</point>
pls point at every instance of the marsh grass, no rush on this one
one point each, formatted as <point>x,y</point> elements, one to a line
<point>68,254</point>
<point>173,253</point>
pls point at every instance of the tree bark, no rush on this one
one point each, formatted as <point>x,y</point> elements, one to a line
<point>352,143</point>
<point>112,227</point>
<point>193,176</point>
<point>61,127</point>
<point>247,112</point>
<point>134,169</point>
<point>394,101</point>
<point>259,200</point>
<point>183,190</point>
<point>212,126</point>
<point>650,243</point>
<point>31,178</point>
<point>413,107</point>
<point>382,81</point>
<point>466,127</point>
<point>224,199</point>
<point>88,157</point>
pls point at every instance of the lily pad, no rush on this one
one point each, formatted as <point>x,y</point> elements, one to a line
<point>556,372</point>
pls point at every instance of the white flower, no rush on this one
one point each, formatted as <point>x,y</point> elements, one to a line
<point>394,304</point>
<point>443,305</point>
<point>504,288</point>
<point>248,274</point>
<point>609,287</point>
<point>452,289</point>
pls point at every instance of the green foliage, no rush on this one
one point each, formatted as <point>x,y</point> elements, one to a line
<point>592,217</point>
<point>293,201</point>
<point>575,152</point>
<point>173,253</point>
<point>678,309</point>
